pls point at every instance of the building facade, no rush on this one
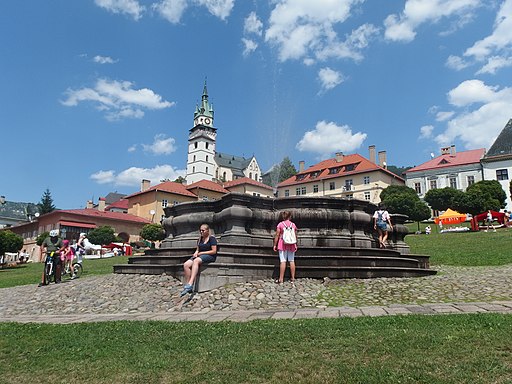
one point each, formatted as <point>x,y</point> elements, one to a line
<point>452,169</point>
<point>345,176</point>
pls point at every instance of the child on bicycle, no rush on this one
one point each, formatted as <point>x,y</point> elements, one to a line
<point>67,254</point>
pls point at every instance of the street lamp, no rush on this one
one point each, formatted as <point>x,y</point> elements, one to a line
<point>152,213</point>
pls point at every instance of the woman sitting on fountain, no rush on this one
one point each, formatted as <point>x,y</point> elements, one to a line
<point>206,252</point>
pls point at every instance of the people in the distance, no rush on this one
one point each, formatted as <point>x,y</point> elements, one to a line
<point>382,223</point>
<point>206,252</point>
<point>489,221</point>
<point>285,247</point>
<point>428,230</point>
<point>67,254</point>
<point>52,244</point>
<point>80,247</point>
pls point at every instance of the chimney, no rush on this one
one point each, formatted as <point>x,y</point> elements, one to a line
<point>144,185</point>
<point>89,204</point>
<point>339,157</point>
<point>453,152</point>
<point>382,159</point>
<point>301,165</point>
<point>373,159</point>
<point>101,204</point>
<point>445,151</point>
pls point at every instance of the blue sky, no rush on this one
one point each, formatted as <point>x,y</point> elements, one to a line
<point>97,94</point>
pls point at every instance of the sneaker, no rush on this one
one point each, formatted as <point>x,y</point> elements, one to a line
<point>41,285</point>
<point>186,289</point>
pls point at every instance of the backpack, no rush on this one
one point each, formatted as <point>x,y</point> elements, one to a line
<point>289,235</point>
<point>380,220</point>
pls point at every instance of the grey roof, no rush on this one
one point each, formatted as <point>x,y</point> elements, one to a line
<point>503,144</point>
<point>113,197</point>
<point>230,161</point>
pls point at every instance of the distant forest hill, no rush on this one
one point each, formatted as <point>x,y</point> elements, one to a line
<point>16,210</point>
<point>399,171</point>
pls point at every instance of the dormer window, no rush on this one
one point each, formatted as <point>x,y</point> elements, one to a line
<point>350,167</point>
<point>314,174</point>
<point>335,170</point>
<point>300,177</point>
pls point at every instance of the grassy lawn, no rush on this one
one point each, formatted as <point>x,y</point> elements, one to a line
<point>463,248</point>
<point>31,273</point>
<point>401,349</point>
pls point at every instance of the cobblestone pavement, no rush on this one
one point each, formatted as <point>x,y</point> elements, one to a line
<point>137,297</point>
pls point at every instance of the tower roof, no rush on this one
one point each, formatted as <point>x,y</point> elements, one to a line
<point>205,109</point>
<point>502,146</point>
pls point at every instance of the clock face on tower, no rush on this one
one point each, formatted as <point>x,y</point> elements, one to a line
<point>207,121</point>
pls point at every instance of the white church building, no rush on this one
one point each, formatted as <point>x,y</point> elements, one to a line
<point>203,160</point>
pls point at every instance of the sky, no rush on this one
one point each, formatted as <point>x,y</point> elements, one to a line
<point>96,95</point>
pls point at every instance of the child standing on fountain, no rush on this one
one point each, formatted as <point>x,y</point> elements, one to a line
<point>286,247</point>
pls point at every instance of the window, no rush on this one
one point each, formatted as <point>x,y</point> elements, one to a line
<point>350,196</point>
<point>286,193</point>
<point>315,188</point>
<point>348,185</point>
<point>453,182</point>
<point>224,176</point>
<point>471,180</point>
<point>501,174</point>
<point>206,170</point>
<point>350,167</point>
<point>332,185</point>
<point>206,145</point>
<point>314,174</point>
<point>193,169</point>
<point>297,191</point>
<point>256,176</point>
<point>195,145</point>
<point>334,170</point>
<point>250,175</point>
<point>366,180</point>
<point>164,203</point>
<point>433,184</point>
<point>417,188</point>
<point>194,157</point>
<point>300,177</point>
<point>367,196</point>
<point>303,191</point>
<point>206,158</point>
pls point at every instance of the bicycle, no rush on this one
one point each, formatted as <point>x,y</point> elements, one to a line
<point>77,269</point>
<point>49,273</point>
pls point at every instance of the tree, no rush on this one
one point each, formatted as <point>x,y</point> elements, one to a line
<point>180,180</point>
<point>152,232</point>
<point>493,190</point>
<point>399,171</point>
<point>10,242</point>
<point>286,169</point>
<point>475,202</point>
<point>442,199</point>
<point>404,200</point>
<point>46,204</point>
<point>102,235</point>
<point>41,237</point>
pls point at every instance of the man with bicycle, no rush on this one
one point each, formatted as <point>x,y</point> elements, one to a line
<point>52,246</point>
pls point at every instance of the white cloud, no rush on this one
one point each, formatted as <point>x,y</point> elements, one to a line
<point>132,148</point>
<point>416,12</point>
<point>249,46</point>
<point>117,99</point>
<point>327,138</point>
<point>484,111</point>
<point>501,37</point>
<point>133,175</point>
<point>329,78</point>
<point>471,91</point>
<point>129,7</point>
<point>171,10</point>
<point>302,28</point>
<point>494,64</point>
<point>443,116</point>
<point>162,145</point>
<point>103,60</point>
<point>219,8</point>
<point>253,24</point>
<point>456,62</point>
<point>426,131</point>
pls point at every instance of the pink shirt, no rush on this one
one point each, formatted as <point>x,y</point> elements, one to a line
<point>281,246</point>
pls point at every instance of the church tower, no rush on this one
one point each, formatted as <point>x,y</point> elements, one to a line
<point>201,143</point>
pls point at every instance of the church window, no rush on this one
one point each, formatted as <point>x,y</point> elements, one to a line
<point>224,176</point>
<point>193,169</point>
<point>206,170</point>
<point>195,145</point>
<point>206,158</point>
<point>194,157</point>
<point>256,176</point>
<point>206,145</point>
<point>250,175</point>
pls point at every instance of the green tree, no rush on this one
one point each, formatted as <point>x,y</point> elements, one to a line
<point>404,200</point>
<point>46,204</point>
<point>493,190</point>
<point>102,235</point>
<point>399,171</point>
<point>286,169</point>
<point>152,232</point>
<point>475,202</point>
<point>41,237</point>
<point>10,242</point>
<point>442,199</point>
<point>180,180</point>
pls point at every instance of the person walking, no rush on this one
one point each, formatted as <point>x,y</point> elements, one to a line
<point>206,252</point>
<point>382,223</point>
<point>285,243</point>
<point>489,221</point>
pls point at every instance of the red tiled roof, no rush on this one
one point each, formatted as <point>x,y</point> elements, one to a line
<point>245,180</point>
<point>120,204</point>
<point>445,161</point>
<point>320,171</point>
<point>207,184</point>
<point>167,186</point>
<point>105,214</point>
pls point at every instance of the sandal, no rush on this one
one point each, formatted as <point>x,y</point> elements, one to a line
<point>277,281</point>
